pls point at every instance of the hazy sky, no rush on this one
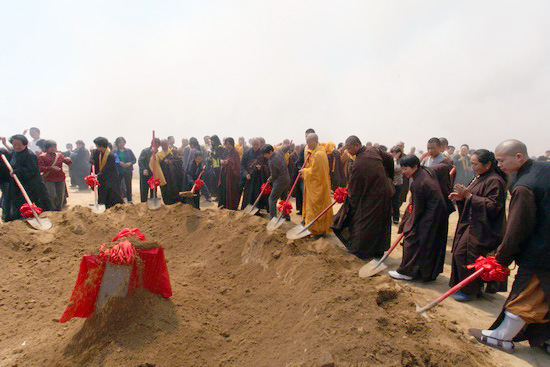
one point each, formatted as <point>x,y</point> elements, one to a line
<point>472,71</point>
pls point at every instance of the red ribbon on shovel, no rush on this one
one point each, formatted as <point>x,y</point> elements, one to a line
<point>26,210</point>
<point>487,268</point>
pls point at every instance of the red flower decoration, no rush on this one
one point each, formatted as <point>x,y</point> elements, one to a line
<point>26,211</point>
<point>91,181</point>
<point>266,189</point>
<point>127,232</point>
<point>494,272</point>
<point>341,194</point>
<point>285,207</point>
<point>153,183</point>
<point>120,254</point>
<point>198,184</point>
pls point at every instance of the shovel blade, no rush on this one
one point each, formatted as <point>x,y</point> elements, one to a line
<point>250,209</point>
<point>98,208</point>
<point>297,233</point>
<point>44,224</point>
<point>275,223</point>
<point>371,268</point>
<point>154,204</point>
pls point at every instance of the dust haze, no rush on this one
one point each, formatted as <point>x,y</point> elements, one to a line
<point>474,72</point>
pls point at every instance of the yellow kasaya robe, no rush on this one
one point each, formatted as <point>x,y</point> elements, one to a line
<point>317,191</point>
<point>240,150</point>
<point>157,170</point>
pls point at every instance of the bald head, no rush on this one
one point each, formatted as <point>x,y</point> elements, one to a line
<point>511,155</point>
<point>312,140</point>
<point>353,144</point>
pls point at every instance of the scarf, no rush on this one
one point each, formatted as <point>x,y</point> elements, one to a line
<point>103,158</point>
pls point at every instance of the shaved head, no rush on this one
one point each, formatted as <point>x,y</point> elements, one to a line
<point>512,147</point>
<point>511,155</point>
<point>312,137</point>
<point>353,140</point>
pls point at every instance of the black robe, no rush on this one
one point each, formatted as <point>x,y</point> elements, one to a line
<point>192,172</point>
<point>80,167</point>
<point>143,164</point>
<point>109,182</point>
<point>337,176</point>
<point>229,182</point>
<point>253,186</point>
<point>480,228</point>
<point>25,166</point>
<point>172,169</point>
<point>425,228</point>
<point>367,214</point>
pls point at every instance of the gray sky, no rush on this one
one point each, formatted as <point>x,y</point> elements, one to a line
<point>472,71</point>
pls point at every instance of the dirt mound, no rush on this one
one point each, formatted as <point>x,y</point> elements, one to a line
<point>242,297</point>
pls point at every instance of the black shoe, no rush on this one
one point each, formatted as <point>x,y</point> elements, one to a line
<point>396,222</point>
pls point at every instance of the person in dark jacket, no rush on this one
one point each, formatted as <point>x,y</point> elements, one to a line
<point>526,313</point>
<point>105,167</point>
<point>254,173</point>
<point>81,165</point>
<point>145,171</point>
<point>192,173</point>
<point>25,166</point>
<point>280,178</point>
<point>126,167</point>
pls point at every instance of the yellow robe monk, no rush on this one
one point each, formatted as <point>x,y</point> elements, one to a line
<point>317,198</point>
<point>240,150</point>
<point>154,165</point>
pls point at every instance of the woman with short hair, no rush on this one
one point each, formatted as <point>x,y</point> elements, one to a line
<point>50,164</point>
<point>126,166</point>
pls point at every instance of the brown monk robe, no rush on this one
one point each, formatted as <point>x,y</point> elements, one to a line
<point>337,176</point>
<point>481,225</point>
<point>527,242</point>
<point>426,227</point>
<point>367,214</point>
<point>230,176</point>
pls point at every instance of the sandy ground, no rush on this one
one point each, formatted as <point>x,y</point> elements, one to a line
<point>479,313</point>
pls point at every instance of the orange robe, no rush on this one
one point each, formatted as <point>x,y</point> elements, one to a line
<point>316,177</point>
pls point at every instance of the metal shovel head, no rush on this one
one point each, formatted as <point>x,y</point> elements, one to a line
<point>98,208</point>
<point>371,268</point>
<point>154,203</point>
<point>297,232</point>
<point>43,225</point>
<point>275,223</point>
<point>250,209</point>
<point>114,283</point>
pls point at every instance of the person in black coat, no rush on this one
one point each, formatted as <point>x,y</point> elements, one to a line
<point>109,183</point>
<point>25,166</point>
<point>145,171</point>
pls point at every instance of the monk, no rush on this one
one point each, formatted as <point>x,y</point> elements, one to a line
<point>316,187</point>
<point>527,242</point>
<point>425,228</point>
<point>254,172</point>
<point>169,170</point>
<point>145,171</point>
<point>229,181</point>
<point>109,183</point>
<point>481,223</point>
<point>368,211</point>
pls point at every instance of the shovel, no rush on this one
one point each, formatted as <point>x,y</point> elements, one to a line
<point>37,223</point>
<point>253,209</point>
<point>376,266</point>
<point>300,231</point>
<point>154,203</point>
<point>192,192</point>
<point>96,208</point>
<point>278,221</point>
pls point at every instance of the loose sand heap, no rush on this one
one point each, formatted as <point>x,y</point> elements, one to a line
<point>242,297</point>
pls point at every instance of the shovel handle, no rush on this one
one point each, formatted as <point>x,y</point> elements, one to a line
<point>452,291</point>
<point>96,195</point>
<point>297,178</point>
<point>23,191</point>
<point>319,216</point>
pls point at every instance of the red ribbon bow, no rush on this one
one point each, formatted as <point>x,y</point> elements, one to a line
<point>285,207</point>
<point>198,184</point>
<point>127,232</point>
<point>266,188</point>
<point>153,183</point>
<point>26,211</point>
<point>494,272</point>
<point>120,254</point>
<point>91,181</point>
<point>341,194</point>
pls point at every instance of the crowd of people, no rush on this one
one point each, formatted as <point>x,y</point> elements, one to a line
<point>379,180</point>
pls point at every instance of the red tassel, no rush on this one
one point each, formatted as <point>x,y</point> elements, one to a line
<point>285,207</point>
<point>92,181</point>
<point>198,184</point>
<point>266,189</point>
<point>153,183</point>
<point>26,211</point>
<point>120,254</point>
<point>127,232</point>
<point>341,194</point>
<point>494,272</point>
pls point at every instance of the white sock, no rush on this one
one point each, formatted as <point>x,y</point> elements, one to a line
<point>506,331</point>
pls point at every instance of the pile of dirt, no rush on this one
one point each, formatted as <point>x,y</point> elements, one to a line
<point>242,297</point>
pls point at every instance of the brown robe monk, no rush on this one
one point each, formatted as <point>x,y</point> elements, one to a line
<point>480,227</point>
<point>425,228</point>
<point>367,214</point>
<point>527,242</point>
<point>229,182</point>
